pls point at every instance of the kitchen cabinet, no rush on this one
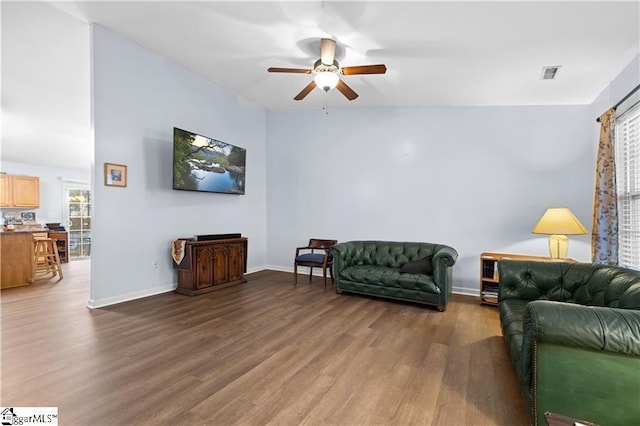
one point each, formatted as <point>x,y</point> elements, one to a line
<point>19,191</point>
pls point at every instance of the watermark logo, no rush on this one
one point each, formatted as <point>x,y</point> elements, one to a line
<point>27,416</point>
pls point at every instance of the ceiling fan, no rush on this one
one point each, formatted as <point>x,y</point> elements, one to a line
<point>327,72</point>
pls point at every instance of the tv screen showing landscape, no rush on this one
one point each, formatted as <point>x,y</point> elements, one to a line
<point>204,164</point>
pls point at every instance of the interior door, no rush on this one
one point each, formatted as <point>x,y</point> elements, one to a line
<point>78,219</point>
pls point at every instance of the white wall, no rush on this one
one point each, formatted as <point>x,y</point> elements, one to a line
<point>475,178</point>
<point>51,198</point>
<point>138,97</point>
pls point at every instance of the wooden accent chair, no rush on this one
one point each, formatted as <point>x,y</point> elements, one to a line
<point>311,259</point>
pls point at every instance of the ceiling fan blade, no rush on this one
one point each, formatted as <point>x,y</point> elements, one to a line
<point>327,51</point>
<point>346,90</point>
<point>365,69</point>
<point>291,70</point>
<point>308,88</point>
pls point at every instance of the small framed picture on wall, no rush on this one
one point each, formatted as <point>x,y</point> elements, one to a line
<point>115,174</point>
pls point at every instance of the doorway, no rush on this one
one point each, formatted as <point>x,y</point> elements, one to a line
<point>78,219</point>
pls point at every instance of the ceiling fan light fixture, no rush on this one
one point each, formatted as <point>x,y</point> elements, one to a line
<point>326,80</point>
<point>327,72</point>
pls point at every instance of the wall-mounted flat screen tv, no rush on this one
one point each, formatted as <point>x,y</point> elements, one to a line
<point>204,164</point>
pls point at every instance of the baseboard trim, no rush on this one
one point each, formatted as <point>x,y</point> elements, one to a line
<point>287,269</point>
<point>318,273</point>
<point>465,291</point>
<point>256,269</point>
<point>101,303</point>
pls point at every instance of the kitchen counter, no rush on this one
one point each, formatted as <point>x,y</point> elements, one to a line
<point>23,231</point>
<point>16,257</point>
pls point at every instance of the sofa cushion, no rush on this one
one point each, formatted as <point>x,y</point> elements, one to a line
<point>311,257</point>
<point>420,266</point>
<point>385,253</point>
<point>389,277</point>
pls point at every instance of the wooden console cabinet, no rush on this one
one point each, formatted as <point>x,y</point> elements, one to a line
<point>211,265</point>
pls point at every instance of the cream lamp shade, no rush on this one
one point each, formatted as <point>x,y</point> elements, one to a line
<point>558,222</point>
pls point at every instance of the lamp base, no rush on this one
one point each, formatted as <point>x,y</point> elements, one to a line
<point>558,246</point>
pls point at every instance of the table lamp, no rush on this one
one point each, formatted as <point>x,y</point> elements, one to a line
<point>558,222</point>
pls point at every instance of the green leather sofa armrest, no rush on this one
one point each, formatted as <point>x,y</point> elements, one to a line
<point>582,361</point>
<point>443,258</point>
<point>340,254</point>
<point>446,255</point>
<point>591,327</point>
<point>567,324</point>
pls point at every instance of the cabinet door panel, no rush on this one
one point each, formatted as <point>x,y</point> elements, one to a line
<point>220,270</point>
<point>236,262</point>
<point>5,191</point>
<point>204,267</point>
<point>26,191</point>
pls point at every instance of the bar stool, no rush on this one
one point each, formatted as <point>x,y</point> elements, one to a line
<point>45,257</point>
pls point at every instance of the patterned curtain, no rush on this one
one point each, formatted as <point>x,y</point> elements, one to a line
<point>604,234</point>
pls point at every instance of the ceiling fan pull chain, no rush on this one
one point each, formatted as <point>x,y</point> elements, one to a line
<point>325,103</point>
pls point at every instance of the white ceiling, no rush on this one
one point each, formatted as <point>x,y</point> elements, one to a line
<point>436,53</point>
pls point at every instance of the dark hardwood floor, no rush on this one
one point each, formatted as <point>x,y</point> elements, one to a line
<point>265,352</point>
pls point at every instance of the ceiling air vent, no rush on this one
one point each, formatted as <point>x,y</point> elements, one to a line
<point>549,73</point>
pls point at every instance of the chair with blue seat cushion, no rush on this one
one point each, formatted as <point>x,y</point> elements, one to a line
<point>314,255</point>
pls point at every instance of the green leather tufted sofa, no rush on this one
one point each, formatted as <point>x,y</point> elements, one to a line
<point>373,268</point>
<point>573,333</point>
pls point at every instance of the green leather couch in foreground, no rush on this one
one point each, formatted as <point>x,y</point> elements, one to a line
<point>573,332</point>
<point>376,268</point>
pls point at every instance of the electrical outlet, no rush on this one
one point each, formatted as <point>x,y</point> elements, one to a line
<point>155,264</point>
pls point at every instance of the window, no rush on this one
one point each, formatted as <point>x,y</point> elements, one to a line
<point>77,199</point>
<point>627,145</point>
<point>79,223</point>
